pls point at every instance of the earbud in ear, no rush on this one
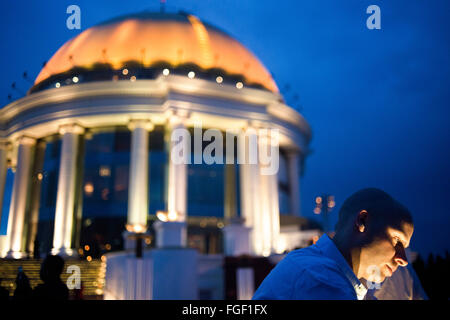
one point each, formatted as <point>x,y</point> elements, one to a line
<point>362,217</point>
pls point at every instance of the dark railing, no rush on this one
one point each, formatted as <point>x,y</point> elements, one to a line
<point>105,72</point>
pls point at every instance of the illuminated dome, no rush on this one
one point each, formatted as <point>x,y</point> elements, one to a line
<point>150,39</point>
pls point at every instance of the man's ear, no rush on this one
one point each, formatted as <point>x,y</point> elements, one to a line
<point>361,220</point>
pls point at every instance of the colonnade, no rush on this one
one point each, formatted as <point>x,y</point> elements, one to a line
<point>258,191</point>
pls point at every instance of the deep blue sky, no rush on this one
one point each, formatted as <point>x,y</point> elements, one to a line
<point>377,100</point>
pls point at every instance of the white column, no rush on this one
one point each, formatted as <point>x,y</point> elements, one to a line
<point>293,164</point>
<point>265,214</point>
<point>3,172</point>
<point>138,183</point>
<point>173,231</point>
<point>250,187</point>
<point>270,212</point>
<point>274,213</point>
<point>18,205</point>
<point>179,157</point>
<point>65,198</point>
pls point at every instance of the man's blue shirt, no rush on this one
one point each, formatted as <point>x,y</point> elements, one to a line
<point>318,272</point>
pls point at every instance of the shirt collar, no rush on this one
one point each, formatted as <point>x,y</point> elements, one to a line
<point>329,249</point>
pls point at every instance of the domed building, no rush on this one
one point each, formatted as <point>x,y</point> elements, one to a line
<point>87,153</point>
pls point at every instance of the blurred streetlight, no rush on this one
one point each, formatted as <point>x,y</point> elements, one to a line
<point>324,204</point>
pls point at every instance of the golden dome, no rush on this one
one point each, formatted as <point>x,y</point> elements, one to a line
<point>150,38</point>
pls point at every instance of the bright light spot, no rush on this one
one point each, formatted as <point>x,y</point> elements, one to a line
<point>139,228</point>
<point>239,85</point>
<point>317,210</point>
<point>40,176</point>
<point>125,72</point>
<point>191,74</point>
<point>331,202</point>
<point>89,188</point>
<point>133,78</point>
<point>148,241</point>
<point>57,84</point>
<point>318,200</point>
<point>219,79</point>
<point>166,72</point>
<point>107,246</point>
<point>172,216</point>
<point>80,251</point>
<point>103,258</point>
<point>314,239</point>
<point>75,79</point>
<point>161,215</point>
<point>104,171</point>
<point>87,248</point>
<point>135,228</point>
<point>89,258</point>
<point>220,225</point>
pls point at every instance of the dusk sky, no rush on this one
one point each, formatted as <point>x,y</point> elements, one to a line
<point>377,100</point>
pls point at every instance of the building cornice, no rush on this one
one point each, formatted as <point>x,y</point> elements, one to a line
<point>147,98</point>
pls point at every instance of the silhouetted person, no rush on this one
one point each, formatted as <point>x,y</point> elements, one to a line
<point>36,250</point>
<point>52,288</point>
<point>23,289</point>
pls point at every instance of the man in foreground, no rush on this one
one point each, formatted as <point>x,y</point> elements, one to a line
<point>372,233</point>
